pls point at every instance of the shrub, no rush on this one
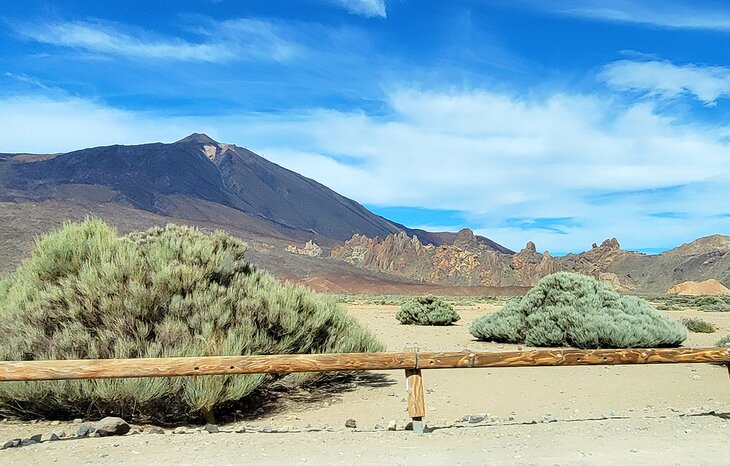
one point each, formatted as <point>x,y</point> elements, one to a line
<point>696,325</point>
<point>87,293</point>
<point>427,310</point>
<point>568,309</point>
<point>724,341</point>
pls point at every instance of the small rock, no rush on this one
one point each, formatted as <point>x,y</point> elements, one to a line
<point>392,425</point>
<point>696,377</point>
<point>11,443</point>
<point>211,428</point>
<point>179,430</point>
<point>379,427</point>
<point>112,426</point>
<point>351,424</point>
<point>409,426</point>
<point>549,418</point>
<point>28,441</point>
<point>474,418</point>
<point>85,430</point>
<point>55,423</point>
<point>240,430</point>
<point>94,434</point>
<point>267,430</point>
<point>156,430</point>
<point>609,415</point>
<point>34,421</point>
<point>37,438</point>
<point>78,420</point>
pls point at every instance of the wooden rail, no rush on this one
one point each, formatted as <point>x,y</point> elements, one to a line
<point>411,361</point>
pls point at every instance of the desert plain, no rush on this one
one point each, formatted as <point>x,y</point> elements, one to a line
<point>646,414</point>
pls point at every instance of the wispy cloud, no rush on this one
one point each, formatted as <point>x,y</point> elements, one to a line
<point>672,14</point>
<point>367,8</point>
<point>665,79</point>
<point>239,39</point>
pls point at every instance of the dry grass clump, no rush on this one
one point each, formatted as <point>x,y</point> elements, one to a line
<point>697,325</point>
<point>568,309</point>
<point>87,293</point>
<point>427,310</point>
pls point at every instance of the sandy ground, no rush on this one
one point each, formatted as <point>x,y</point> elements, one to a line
<point>659,414</point>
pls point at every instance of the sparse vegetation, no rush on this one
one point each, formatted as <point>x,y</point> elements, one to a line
<point>87,293</point>
<point>427,310</point>
<point>724,341</point>
<point>567,309</point>
<point>700,303</point>
<point>697,325</point>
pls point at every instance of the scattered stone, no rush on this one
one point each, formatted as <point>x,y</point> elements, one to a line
<point>11,443</point>
<point>392,424</point>
<point>78,420</point>
<point>85,430</point>
<point>549,418</point>
<point>609,415</point>
<point>351,424</point>
<point>474,418</point>
<point>267,430</point>
<point>37,438</point>
<point>34,421</point>
<point>240,430</point>
<point>511,418</point>
<point>211,428</point>
<point>112,426</point>
<point>409,426</point>
<point>156,430</point>
<point>94,434</point>
<point>57,435</point>
<point>28,441</point>
<point>179,431</point>
<point>379,427</point>
<point>55,423</point>
<point>696,377</point>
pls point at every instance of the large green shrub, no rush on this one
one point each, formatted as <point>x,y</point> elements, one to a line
<point>87,293</point>
<point>568,309</point>
<point>427,310</point>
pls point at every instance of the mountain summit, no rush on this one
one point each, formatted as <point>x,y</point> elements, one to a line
<point>199,179</point>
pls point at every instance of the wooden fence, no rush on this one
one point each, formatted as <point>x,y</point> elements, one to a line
<point>411,360</point>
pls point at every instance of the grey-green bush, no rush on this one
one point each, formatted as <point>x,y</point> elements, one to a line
<point>87,293</point>
<point>696,325</point>
<point>427,310</point>
<point>568,309</point>
<point>724,341</point>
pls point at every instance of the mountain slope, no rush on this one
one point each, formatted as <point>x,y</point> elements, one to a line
<point>173,179</point>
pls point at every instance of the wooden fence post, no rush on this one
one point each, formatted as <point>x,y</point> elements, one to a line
<point>416,399</point>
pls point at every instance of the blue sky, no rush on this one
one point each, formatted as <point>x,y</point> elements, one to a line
<point>562,122</point>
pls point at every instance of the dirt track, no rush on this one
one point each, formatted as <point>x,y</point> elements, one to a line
<point>670,414</point>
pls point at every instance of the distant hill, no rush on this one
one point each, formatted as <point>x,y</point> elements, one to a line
<point>467,262</point>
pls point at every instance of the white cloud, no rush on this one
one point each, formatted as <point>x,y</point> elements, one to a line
<point>240,39</point>
<point>367,8</point>
<point>665,79</point>
<point>672,14</point>
<point>494,156</point>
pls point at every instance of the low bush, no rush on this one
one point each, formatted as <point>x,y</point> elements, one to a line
<point>696,325</point>
<point>568,309</point>
<point>724,341</point>
<point>87,293</point>
<point>427,310</point>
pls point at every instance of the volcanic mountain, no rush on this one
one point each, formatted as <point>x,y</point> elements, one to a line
<point>195,180</point>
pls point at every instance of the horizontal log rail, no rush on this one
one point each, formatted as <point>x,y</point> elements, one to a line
<point>411,361</point>
<point>337,362</point>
